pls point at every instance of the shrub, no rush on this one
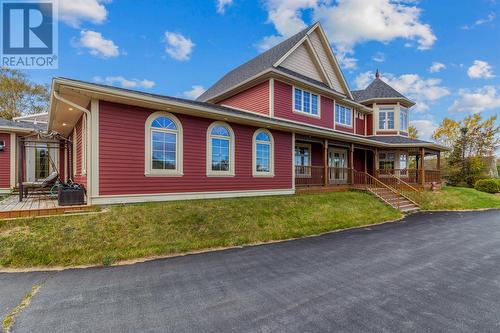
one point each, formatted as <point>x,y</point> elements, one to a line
<point>490,185</point>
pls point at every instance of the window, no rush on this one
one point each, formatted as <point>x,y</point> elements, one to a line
<point>386,118</point>
<point>403,120</point>
<point>302,159</point>
<point>263,151</point>
<point>403,161</point>
<point>386,161</point>
<point>343,115</point>
<point>305,102</point>
<point>163,145</point>
<point>220,150</point>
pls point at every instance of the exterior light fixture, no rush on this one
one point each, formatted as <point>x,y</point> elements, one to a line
<point>2,145</point>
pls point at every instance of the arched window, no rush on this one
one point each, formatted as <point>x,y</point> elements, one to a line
<point>220,150</point>
<point>263,153</point>
<point>163,142</point>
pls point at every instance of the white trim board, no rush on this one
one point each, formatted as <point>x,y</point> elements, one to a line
<point>135,198</point>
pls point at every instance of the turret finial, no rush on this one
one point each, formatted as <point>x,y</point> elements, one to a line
<point>377,74</point>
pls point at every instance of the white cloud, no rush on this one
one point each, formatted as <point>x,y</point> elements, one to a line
<point>425,128</point>
<point>125,83</point>
<point>74,12</point>
<point>222,4</point>
<point>349,22</point>
<point>422,91</point>
<point>480,70</point>
<point>354,21</point>
<point>437,67</point>
<point>97,44</point>
<point>491,16</point>
<point>286,16</point>
<point>485,98</point>
<point>195,92</point>
<point>379,57</point>
<point>178,46</point>
<point>362,80</point>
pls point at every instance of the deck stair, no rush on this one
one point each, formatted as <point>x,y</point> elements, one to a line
<point>392,190</point>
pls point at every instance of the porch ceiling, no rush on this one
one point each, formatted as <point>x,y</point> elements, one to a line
<point>64,117</point>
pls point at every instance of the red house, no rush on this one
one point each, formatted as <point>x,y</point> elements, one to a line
<point>284,120</point>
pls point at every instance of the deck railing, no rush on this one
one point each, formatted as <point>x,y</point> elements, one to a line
<point>411,176</point>
<point>309,175</point>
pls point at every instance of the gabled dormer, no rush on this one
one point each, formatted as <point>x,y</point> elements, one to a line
<point>390,108</point>
<point>299,80</point>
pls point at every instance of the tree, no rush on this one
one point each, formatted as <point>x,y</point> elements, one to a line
<point>412,132</point>
<point>471,141</point>
<point>19,96</point>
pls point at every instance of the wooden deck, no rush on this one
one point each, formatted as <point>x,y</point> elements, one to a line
<point>40,205</point>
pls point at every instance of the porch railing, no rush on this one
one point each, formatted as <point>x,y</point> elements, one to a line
<point>411,176</point>
<point>309,175</point>
<point>315,176</point>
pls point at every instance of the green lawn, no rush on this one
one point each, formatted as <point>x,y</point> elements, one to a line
<point>152,229</point>
<point>455,198</point>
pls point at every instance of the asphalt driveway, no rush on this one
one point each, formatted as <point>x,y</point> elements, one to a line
<point>432,272</point>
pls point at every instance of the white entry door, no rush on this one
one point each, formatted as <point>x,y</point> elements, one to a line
<point>337,163</point>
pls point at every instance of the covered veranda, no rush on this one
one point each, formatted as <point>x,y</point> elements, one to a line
<point>330,163</point>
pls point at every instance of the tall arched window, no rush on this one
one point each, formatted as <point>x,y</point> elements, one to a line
<point>263,153</point>
<point>220,150</point>
<point>163,142</point>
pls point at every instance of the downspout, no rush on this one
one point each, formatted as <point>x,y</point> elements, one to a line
<point>88,115</point>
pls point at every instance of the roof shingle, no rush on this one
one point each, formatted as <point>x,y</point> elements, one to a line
<point>253,67</point>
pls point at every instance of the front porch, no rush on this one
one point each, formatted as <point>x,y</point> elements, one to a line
<point>330,164</point>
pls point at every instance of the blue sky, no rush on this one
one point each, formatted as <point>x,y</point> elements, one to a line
<point>443,54</point>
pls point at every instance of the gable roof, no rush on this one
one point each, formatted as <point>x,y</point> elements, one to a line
<point>273,59</point>
<point>23,126</point>
<point>378,89</point>
<point>253,67</point>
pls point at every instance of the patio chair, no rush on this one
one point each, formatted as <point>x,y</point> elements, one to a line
<point>42,187</point>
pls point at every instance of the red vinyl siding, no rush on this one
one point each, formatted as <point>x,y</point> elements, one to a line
<point>344,128</point>
<point>317,154</point>
<point>369,124</point>
<point>5,161</point>
<point>360,125</point>
<point>255,99</point>
<point>121,156</point>
<point>283,107</point>
<point>79,178</point>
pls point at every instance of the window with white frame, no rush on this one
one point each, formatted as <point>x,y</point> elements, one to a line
<point>163,145</point>
<point>386,118</point>
<point>305,102</point>
<point>220,154</point>
<point>302,159</point>
<point>403,161</point>
<point>387,161</point>
<point>263,150</point>
<point>343,115</point>
<point>403,119</point>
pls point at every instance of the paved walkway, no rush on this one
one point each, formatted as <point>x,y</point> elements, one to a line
<point>433,272</point>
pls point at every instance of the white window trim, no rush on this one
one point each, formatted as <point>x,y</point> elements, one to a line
<point>386,121</point>
<point>301,112</point>
<point>335,115</point>
<point>308,146</point>
<point>232,138</point>
<point>401,111</point>
<point>179,152</point>
<point>256,173</point>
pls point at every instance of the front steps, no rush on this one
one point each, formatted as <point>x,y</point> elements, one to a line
<point>389,197</point>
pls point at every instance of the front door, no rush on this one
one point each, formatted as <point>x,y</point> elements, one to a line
<point>337,166</point>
